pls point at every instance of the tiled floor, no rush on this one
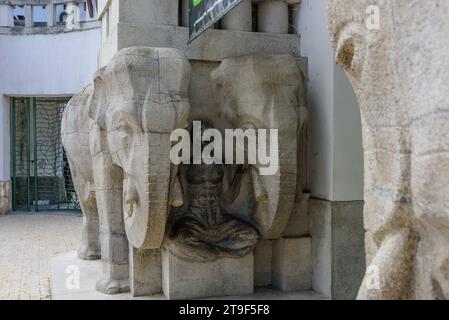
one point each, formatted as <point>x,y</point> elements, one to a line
<point>27,244</point>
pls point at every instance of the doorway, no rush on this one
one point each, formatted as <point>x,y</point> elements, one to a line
<point>41,178</point>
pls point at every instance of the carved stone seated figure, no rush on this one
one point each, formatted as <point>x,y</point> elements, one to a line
<point>203,228</point>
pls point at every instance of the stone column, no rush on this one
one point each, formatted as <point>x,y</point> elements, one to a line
<point>272,16</point>
<point>239,18</point>
<point>6,16</point>
<point>29,23</point>
<point>5,183</point>
<point>145,272</point>
<point>50,15</point>
<point>73,16</point>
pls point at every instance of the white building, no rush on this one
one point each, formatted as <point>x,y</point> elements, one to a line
<point>44,59</point>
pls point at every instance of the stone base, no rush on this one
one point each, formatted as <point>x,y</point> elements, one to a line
<point>338,251</point>
<point>66,266</point>
<point>5,197</point>
<point>190,280</point>
<point>145,272</point>
<point>292,264</point>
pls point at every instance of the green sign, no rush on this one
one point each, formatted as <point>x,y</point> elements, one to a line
<point>204,13</point>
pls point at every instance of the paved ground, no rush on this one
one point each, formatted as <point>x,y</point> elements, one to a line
<point>27,244</point>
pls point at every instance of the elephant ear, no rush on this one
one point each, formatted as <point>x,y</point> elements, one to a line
<point>98,104</point>
<point>265,95</point>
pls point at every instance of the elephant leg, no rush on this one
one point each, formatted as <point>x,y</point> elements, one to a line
<point>90,240</point>
<point>114,244</point>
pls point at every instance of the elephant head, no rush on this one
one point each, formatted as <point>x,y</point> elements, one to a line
<point>263,92</point>
<point>139,98</point>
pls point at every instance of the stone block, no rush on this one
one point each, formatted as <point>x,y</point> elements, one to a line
<point>262,263</point>
<point>321,231</point>
<point>337,247</point>
<point>292,264</point>
<point>189,280</point>
<point>145,272</point>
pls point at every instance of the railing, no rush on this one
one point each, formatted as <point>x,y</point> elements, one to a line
<point>26,14</point>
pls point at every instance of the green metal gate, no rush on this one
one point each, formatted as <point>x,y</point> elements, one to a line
<point>41,177</point>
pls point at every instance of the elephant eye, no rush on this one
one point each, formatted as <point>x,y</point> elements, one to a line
<point>351,50</point>
<point>345,55</point>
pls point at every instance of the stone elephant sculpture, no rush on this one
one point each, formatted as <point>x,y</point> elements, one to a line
<point>397,72</point>
<point>267,92</point>
<point>116,134</point>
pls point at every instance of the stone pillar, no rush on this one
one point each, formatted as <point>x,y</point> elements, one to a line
<point>272,16</point>
<point>50,15</point>
<point>6,16</point>
<point>145,272</point>
<point>5,172</point>
<point>189,280</point>
<point>29,21</point>
<point>239,18</point>
<point>73,16</point>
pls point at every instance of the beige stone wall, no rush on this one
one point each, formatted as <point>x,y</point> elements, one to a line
<point>5,197</point>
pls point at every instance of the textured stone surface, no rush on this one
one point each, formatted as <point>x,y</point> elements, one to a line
<point>397,75</point>
<point>337,247</point>
<point>292,264</point>
<point>223,277</point>
<point>91,270</point>
<point>262,263</point>
<point>213,45</point>
<point>145,272</point>
<point>28,242</point>
<point>262,92</point>
<point>298,225</point>
<point>5,197</point>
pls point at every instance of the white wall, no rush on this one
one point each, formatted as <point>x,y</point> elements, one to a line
<point>43,65</point>
<point>336,157</point>
<point>48,64</point>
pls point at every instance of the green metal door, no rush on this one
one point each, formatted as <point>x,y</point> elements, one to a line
<point>41,176</point>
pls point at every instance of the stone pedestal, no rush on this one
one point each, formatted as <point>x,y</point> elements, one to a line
<point>145,272</point>
<point>223,277</point>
